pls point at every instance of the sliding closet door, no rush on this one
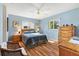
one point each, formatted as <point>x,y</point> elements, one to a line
<point>4,24</point>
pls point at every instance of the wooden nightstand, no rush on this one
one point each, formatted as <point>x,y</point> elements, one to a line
<point>16,38</point>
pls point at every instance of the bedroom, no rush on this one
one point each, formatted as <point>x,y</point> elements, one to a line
<point>42,24</point>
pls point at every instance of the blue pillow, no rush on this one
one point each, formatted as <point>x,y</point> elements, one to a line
<point>27,32</point>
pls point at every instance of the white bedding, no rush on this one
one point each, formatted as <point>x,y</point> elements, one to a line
<point>36,34</point>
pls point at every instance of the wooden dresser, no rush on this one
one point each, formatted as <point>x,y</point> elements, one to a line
<point>66,32</point>
<point>68,49</point>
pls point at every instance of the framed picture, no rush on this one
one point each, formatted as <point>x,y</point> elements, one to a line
<point>15,23</point>
<point>53,24</point>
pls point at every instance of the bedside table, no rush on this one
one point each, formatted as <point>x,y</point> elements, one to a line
<point>16,38</point>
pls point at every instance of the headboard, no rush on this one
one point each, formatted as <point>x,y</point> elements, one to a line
<point>27,30</point>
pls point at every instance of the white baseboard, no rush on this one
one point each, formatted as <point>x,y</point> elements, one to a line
<point>52,41</point>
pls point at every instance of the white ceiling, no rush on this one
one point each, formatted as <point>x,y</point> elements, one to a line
<point>46,9</point>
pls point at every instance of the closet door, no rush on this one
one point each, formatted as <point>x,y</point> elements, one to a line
<point>4,24</point>
<point>1,22</point>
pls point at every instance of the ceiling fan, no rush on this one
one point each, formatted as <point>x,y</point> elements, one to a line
<point>38,7</point>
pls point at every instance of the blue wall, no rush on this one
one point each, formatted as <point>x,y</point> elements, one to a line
<point>11,30</point>
<point>51,33</point>
<point>69,17</point>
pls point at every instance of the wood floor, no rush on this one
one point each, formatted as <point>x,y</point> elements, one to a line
<point>49,49</point>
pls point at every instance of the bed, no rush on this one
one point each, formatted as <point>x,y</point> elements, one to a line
<point>32,39</point>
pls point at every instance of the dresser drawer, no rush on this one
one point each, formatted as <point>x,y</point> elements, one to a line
<point>65,31</point>
<point>64,39</point>
<point>66,28</point>
<point>64,51</point>
<point>65,35</point>
<point>16,37</point>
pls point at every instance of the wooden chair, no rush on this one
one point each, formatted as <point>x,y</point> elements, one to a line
<point>13,45</point>
<point>13,49</point>
<point>11,52</point>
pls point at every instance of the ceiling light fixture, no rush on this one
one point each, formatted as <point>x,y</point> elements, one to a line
<point>38,7</point>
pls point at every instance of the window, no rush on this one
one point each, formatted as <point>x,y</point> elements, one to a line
<point>53,24</point>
